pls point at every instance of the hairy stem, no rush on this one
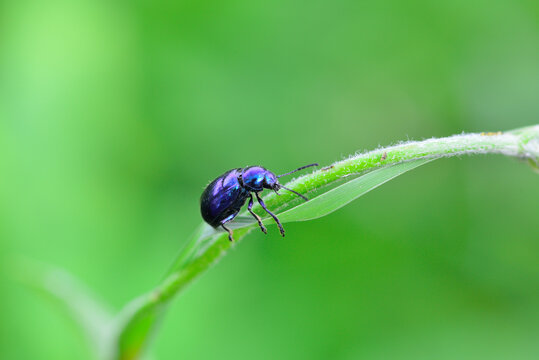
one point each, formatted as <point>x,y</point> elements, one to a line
<point>521,143</point>
<point>206,247</point>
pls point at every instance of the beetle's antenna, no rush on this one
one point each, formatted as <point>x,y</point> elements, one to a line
<point>298,169</point>
<point>295,192</point>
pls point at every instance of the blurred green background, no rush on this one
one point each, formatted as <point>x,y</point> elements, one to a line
<point>115,114</point>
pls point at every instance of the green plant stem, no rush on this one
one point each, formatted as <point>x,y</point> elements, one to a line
<point>521,143</point>
<point>206,247</point>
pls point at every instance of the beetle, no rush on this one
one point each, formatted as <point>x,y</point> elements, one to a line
<point>224,197</point>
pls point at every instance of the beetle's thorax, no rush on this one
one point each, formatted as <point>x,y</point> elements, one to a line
<point>257,178</point>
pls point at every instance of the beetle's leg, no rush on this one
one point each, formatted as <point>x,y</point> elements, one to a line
<point>224,221</point>
<point>229,232</point>
<point>249,207</point>
<point>261,202</point>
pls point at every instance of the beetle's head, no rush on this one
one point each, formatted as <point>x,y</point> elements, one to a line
<point>270,181</point>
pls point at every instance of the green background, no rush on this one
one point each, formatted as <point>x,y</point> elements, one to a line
<point>115,114</point>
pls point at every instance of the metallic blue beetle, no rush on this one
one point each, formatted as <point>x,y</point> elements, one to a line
<point>223,198</point>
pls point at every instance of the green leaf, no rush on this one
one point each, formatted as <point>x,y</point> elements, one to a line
<point>329,201</point>
<point>342,195</point>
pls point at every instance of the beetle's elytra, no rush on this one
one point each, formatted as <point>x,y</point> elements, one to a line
<point>223,198</point>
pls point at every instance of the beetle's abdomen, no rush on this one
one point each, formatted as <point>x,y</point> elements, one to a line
<point>222,197</point>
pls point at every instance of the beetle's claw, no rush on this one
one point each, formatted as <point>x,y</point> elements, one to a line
<point>229,232</point>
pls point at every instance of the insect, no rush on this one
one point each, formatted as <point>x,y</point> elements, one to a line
<point>223,198</point>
